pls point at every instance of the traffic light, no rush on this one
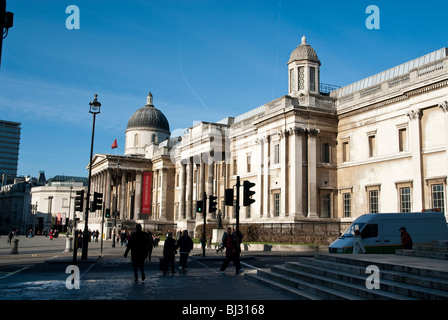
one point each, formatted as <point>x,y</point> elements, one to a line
<point>247,194</point>
<point>107,215</point>
<point>79,200</point>
<point>212,204</point>
<point>228,197</point>
<point>199,206</point>
<point>97,203</point>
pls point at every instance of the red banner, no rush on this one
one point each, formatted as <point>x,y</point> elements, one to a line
<point>146,192</point>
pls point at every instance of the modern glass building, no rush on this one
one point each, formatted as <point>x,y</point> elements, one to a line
<point>9,150</point>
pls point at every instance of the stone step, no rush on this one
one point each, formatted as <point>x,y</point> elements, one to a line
<point>283,286</point>
<point>423,254</point>
<point>343,276</point>
<point>430,248</point>
<point>390,281</point>
<point>412,279</point>
<point>324,292</point>
<point>400,265</point>
<point>442,243</point>
<point>340,281</point>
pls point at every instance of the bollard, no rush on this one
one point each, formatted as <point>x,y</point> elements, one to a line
<point>14,246</point>
<point>68,244</point>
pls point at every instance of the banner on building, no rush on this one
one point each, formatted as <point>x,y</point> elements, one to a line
<point>146,192</point>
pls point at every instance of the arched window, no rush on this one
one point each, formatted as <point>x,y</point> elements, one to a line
<point>136,140</point>
<point>154,138</point>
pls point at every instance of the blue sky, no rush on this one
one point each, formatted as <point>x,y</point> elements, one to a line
<point>202,60</point>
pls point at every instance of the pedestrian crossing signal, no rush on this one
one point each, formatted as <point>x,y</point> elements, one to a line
<point>97,203</point>
<point>212,204</point>
<point>228,197</point>
<point>199,206</point>
<point>79,200</point>
<point>247,185</point>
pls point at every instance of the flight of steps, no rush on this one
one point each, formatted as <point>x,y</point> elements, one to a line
<point>342,277</point>
<point>438,249</point>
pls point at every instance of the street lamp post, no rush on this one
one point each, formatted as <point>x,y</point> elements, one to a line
<point>94,109</point>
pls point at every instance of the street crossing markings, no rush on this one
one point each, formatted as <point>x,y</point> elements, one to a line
<point>15,271</point>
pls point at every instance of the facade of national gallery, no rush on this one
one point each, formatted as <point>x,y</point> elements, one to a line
<point>377,145</point>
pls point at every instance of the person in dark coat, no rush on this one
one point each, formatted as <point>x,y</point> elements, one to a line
<point>185,245</point>
<point>406,240</point>
<point>233,250</point>
<point>139,246</point>
<point>169,252</point>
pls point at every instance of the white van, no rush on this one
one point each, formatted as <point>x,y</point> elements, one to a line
<point>380,231</point>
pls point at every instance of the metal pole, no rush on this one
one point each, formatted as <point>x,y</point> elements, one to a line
<point>85,238</point>
<point>204,239</point>
<point>237,210</point>
<point>102,226</point>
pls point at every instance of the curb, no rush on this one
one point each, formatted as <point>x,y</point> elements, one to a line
<point>69,260</point>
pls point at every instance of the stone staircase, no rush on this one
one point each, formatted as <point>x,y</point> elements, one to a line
<point>343,277</point>
<point>438,249</point>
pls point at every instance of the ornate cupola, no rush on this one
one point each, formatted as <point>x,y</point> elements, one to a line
<point>303,70</point>
<point>148,125</point>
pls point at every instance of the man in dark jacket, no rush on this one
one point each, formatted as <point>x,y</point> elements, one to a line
<point>139,246</point>
<point>406,240</point>
<point>185,245</point>
<point>232,244</point>
<point>169,252</point>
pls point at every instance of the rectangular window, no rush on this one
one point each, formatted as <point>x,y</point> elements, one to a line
<point>402,140</point>
<point>326,205</point>
<point>312,79</point>
<point>276,204</point>
<point>248,212</point>
<point>347,205</point>
<point>373,201</point>
<point>405,199</point>
<point>326,153</point>
<point>235,171</point>
<point>248,163</point>
<point>372,146</point>
<point>276,154</point>
<point>438,197</point>
<point>345,151</point>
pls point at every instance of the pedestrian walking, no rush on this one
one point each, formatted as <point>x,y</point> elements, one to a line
<point>406,240</point>
<point>209,241</point>
<point>123,238</point>
<point>185,245</point>
<point>10,236</point>
<point>169,252</point>
<point>358,247</point>
<point>139,246</point>
<point>232,244</point>
<point>151,245</point>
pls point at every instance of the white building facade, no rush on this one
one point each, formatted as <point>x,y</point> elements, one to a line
<point>378,145</point>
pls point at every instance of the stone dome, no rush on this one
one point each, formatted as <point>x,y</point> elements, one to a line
<point>304,52</point>
<point>149,118</point>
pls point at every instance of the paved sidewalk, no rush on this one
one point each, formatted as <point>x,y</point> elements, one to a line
<point>108,276</point>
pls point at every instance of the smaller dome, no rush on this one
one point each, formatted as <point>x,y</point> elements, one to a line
<point>150,118</point>
<point>304,52</point>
